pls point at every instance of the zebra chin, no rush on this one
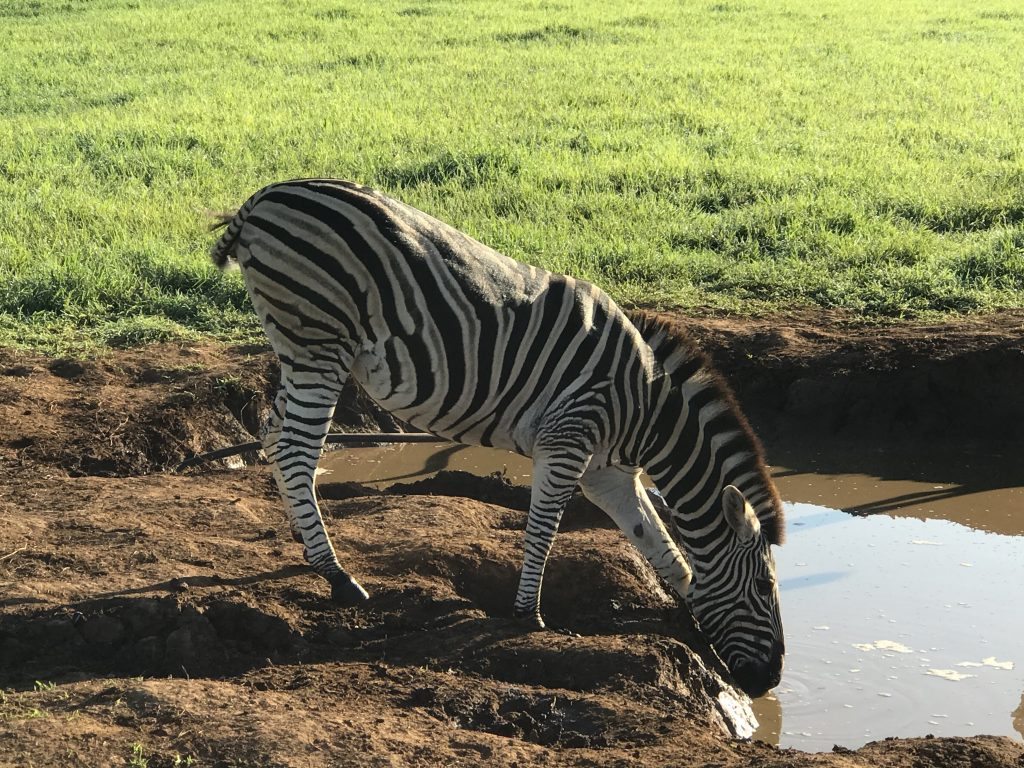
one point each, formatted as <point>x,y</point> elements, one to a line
<point>755,677</point>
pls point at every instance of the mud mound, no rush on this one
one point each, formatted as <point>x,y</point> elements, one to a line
<point>489,489</point>
<point>492,489</point>
<point>435,638</point>
<point>445,565</point>
<point>560,719</point>
<point>474,552</point>
<point>129,412</point>
<point>133,412</point>
<point>149,636</point>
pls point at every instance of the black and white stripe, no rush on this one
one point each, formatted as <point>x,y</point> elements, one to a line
<point>470,345</point>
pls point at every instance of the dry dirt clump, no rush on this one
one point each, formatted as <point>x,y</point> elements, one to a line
<point>131,412</point>
<point>152,618</point>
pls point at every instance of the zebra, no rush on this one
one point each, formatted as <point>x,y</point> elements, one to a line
<point>463,342</point>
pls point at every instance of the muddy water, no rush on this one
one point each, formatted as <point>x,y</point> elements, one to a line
<point>902,612</point>
<point>390,464</point>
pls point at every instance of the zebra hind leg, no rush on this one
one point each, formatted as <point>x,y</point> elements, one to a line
<point>268,436</point>
<point>293,442</point>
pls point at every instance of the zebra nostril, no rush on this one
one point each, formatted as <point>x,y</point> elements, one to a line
<point>778,652</point>
<point>775,664</point>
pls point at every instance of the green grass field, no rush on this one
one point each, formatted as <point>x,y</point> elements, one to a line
<point>746,155</point>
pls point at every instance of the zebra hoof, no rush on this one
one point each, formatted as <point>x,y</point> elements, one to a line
<point>346,591</point>
<point>532,622</point>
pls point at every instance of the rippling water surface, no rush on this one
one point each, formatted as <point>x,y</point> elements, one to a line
<point>895,627</point>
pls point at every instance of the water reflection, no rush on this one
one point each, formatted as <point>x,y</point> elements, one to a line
<point>974,487</point>
<point>1018,717</point>
<point>768,711</point>
<point>435,459</point>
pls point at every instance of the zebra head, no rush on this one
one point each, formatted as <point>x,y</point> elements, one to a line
<point>735,597</point>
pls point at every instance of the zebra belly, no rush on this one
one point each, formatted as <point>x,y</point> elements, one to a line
<point>371,371</point>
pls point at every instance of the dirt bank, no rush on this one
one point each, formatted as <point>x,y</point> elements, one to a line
<point>827,376</point>
<point>157,616</point>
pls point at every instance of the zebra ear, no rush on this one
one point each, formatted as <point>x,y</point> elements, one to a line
<point>739,514</point>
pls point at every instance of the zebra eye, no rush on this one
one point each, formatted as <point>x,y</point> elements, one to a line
<point>763,586</point>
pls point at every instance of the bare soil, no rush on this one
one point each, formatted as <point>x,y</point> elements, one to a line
<point>150,616</point>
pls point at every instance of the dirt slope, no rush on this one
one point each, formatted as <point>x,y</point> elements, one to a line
<point>149,616</point>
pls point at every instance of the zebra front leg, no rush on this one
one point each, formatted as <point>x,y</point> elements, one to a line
<point>554,480</point>
<point>293,443</point>
<point>618,491</point>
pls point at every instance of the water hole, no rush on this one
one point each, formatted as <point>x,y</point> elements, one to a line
<point>901,586</point>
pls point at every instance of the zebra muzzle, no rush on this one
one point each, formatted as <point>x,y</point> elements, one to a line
<point>756,677</point>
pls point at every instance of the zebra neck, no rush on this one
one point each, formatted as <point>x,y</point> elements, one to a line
<point>699,444</point>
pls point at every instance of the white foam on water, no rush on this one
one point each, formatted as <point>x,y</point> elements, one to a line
<point>989,662</point>
<point>949,674</point>
<point>883,645</point>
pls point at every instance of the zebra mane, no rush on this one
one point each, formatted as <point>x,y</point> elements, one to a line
<point>681,359</point>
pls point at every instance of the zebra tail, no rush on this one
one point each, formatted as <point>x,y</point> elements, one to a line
<point>223,252</point>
